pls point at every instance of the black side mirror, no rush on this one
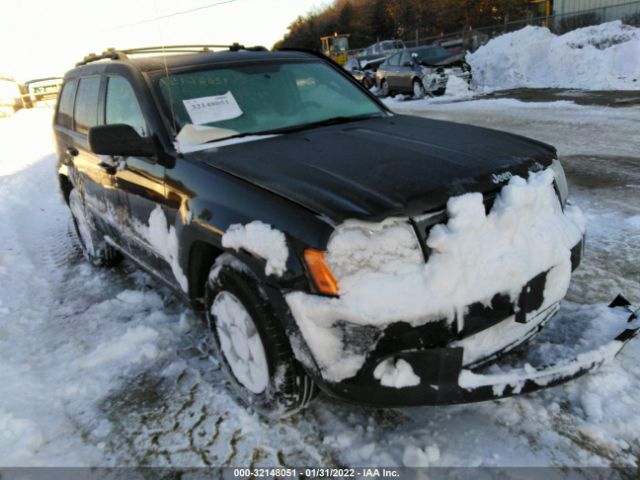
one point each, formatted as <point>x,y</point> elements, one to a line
<point>120,140</point>
<point>407,64</point>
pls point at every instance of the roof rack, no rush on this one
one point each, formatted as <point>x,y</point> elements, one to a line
<point>113,54</point>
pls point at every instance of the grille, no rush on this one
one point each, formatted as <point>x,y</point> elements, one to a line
<point>424,223</point>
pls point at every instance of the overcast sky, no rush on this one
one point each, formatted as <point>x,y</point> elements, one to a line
<point>42,38</point>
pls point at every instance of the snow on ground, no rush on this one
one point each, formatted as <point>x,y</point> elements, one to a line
<point>602,57</point>
<point>105,367</point>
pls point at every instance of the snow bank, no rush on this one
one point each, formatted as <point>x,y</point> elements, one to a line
<point>261,240</point>
<point>383,277</point>
<point>602,57</point>
<point>20,147</point>
<point>457,87</point>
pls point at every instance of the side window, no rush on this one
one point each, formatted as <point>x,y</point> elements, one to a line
<point>405,59</point>
<point>122,106</point>
<point>85,114</point>
<point>64,117</point>
<point>394,60</point>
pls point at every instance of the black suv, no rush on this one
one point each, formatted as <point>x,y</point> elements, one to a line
<point>327,241</point>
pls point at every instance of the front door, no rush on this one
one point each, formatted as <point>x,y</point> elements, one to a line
<point>140,181</point>
<point>405,72</point>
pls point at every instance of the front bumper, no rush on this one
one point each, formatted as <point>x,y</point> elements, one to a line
<point>436,80</point>
<point>444,380</point>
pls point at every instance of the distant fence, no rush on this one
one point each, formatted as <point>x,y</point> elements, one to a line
<point>558,23</point>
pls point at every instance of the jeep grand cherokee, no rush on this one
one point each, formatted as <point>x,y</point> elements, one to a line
<point>327,241</point>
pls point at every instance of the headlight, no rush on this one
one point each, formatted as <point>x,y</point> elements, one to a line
<point>389,246</point>
<point>561,181</point>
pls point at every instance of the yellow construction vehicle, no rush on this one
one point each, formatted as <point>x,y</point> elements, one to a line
<point>336,47</point>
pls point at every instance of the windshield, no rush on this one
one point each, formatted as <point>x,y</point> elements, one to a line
<point>432,52</point>
<point>339,44</point>
<point>260,98</point>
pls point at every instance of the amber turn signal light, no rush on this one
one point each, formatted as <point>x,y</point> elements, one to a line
<point>322,276</point>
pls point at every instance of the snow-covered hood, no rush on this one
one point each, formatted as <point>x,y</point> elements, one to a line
<point>381,167</point>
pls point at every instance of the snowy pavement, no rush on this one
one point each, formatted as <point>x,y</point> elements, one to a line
<point>104,367</point>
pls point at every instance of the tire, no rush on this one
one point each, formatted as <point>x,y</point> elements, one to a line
<point>418,89</point>
<point>384,89</point>
<point>252,345</point>
<point>92,243</point>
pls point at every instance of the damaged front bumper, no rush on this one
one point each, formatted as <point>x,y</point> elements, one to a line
<point>444,379</point>
<point>434,79</point>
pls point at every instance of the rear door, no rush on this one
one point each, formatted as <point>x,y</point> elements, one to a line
<point>63,125</point>
<point>91,175</point>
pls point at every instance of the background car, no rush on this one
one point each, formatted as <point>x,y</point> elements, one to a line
<point>44,91</point>
<point>403,73</point>
<point>365,76</point>
<point>373,56</point>
<point>437,56</point>
<point>10,96</point>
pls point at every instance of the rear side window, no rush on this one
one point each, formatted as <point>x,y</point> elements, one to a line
<point>122,106</point>
<point>86,110</point>
<point>64,117</point>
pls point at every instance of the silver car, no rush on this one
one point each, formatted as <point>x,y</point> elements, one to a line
<point>403,73</point>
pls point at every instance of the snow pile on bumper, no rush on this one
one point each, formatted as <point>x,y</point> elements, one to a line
<point>473,257</point>
<point>602,57</point>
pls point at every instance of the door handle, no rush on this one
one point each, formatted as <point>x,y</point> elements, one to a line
<point>72,151</point>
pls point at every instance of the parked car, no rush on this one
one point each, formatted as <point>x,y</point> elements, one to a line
<point>365,76</point>
<point>403,73</point>
<point>372,56</point>
<point>437,56</point>
<point>305,221</point>
<point>10,96</point>
<point>43,91</point>
<point>384,48</point>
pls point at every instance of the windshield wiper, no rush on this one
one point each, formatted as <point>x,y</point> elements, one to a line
<point>305,126</point>
<point>321,123</point>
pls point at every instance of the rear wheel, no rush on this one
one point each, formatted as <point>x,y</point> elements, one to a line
<point>92,243</point>
<point>418,88</point>
<point>252,345</point>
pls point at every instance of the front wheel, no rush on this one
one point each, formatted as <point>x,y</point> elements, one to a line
<point>252,345</point>
<point>385,91</point>
<point>93,246</point>
<point>418,88</point>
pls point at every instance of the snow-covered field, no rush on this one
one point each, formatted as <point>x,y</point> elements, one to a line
<point>104,367</point>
